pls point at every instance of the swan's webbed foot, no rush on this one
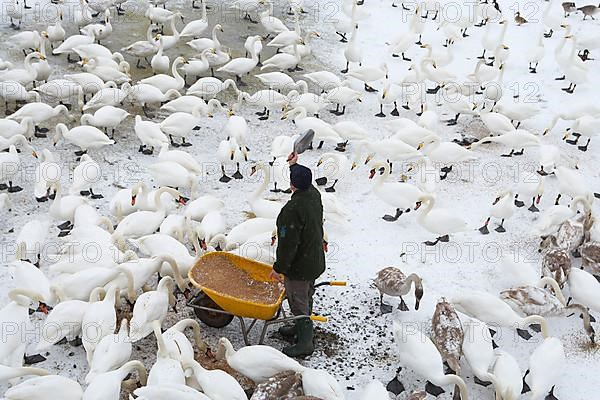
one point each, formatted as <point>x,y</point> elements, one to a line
<point>321,181</point>
<point>536,328</point>
<point>395,386</point>
<point>481,383</point>
<point>524,333</point>
<point>385,308</point>
<point>393,218</point>
<point>402,306</point>
<point>433,389</point>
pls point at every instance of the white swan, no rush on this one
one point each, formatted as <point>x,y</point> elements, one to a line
<point>502,208</point>
<point>491,309</point>
<point>216,383</point>
<point>166,370</point>
<point>45,388</point>
<point>261,207</point>
<point>84,137</point>
<point>418,353</point>
<point>545,367</point>
<point>103,317</point>
<point>149,307</point>
<point>111,353</point>
<point>439,221</point>
<point>108,384</point>
<point>106,117</point>
<point>165,82</point>
<point>259,362</point>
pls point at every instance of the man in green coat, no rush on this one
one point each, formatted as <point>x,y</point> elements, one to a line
<point>300,254</point>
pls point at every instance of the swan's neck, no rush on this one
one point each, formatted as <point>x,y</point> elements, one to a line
<point>455,380</point>
<point>175,72</point>
<point>265,183</point>
<point>537,319</point>
<point>554,285</point>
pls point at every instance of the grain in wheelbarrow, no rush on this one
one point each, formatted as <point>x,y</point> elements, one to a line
<point>224,277</point>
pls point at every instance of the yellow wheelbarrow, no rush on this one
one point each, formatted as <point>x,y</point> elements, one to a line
<point>218,308</point>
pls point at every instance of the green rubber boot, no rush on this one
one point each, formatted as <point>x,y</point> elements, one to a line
<point>304,345</point>
<point>288,331</point>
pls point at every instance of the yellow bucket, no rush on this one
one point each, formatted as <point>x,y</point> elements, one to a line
<point>238,307</point>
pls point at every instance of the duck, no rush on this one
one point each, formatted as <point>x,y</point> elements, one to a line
<point>545,366</point>
<point>46,388</point>
<point>491,309</point>
<point>180,124</point>
<point>393,282</point>
<point>109,96</point>
<point>216,383</point>
<point>149,307</point>
<point>143,223</point>
<point>438,221</point>
<point>418,353</point>
<point>106,117</point>
<point>257,362</point>
<point>208,87</point>
<point>85,137</point>
<point>448,334</point>
<point>166,370</point>
<point>502,208</point>
<point>401,195</point>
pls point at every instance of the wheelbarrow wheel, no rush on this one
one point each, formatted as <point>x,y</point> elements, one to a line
<point>211,318</point>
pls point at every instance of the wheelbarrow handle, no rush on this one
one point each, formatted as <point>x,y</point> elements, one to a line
<point>331,283</point>
<point>318,318</point>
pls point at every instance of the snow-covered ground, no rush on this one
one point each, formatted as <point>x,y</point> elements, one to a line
<point>357,345</point>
